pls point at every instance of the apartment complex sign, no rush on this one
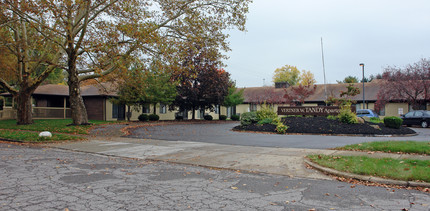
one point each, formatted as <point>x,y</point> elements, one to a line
<point>309,110</point>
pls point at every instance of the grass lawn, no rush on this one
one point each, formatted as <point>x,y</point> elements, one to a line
<point>33,137</point>
<point>406,170</point>
<point>10,130</point>
<point>52,125</point>
<point>391,146</point>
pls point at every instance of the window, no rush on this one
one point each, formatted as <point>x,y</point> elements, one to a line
<point>115,111</point>
<point>231,111</point>
<point>418,114</point>
<point>382,111</point>
<point>8,101</point>
<point>217,109</point>
<point>252,107</point>
<point>163,108</point>
<point>201,114</point>
<point>410,114</point>
<point>118,111</point>
<point>145,109</point>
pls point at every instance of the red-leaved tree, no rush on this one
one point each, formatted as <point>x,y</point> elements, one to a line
<point>410,84</point>
<point>298,94</point>
<point>203,85</point>
<point>268,95</point>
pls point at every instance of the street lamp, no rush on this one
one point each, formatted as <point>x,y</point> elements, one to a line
<point>362,67</point>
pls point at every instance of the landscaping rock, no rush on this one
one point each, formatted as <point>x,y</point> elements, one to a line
<point>45,134</point>
<point>360,120</point>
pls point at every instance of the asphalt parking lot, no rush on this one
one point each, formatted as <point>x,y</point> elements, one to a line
<point>222,134</point>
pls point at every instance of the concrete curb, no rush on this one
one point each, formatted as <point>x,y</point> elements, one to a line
<point>367,178</point>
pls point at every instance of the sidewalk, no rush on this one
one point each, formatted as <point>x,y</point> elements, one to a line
<point>282,161</point>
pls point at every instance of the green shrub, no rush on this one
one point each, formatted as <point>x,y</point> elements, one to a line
<point>235,117</point>
<point>331,117</point>
<point>179,118</point>
<point>208,117</point>
<point>346,115</point>
<point>393,122</point>
<point>265,121</point>
<point>276,121</point>
<point>281,128</point>
<point>375,120</point>
<point>154,117</point>
<point>222,117</point>
<point>266,112</point>
<point>143,117</point>
<point>248,118</point>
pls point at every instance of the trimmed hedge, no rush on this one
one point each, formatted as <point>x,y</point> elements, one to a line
<point>222,117</point>
<point>393,122</point>
<point>154,117</point>
<point>248,118</point>
<point>208,117</point>
<point>235,117</point>
<point>143,117</point>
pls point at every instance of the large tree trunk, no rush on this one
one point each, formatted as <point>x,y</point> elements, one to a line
<point>79,112</point>
<point>24,113</point>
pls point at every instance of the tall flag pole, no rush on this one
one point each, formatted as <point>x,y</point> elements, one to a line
<point>325,82</point>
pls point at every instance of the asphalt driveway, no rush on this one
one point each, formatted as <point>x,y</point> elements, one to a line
<point>222,134</point>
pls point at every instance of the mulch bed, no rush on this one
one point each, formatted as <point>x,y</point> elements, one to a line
<point>322,125</point>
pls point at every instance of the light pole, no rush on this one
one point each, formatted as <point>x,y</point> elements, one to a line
<point>362,67</point>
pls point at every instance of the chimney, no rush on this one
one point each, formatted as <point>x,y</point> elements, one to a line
<point>279,85</point>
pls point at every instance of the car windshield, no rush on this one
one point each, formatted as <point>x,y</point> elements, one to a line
<point>410,114</point>
<point>427,113</point>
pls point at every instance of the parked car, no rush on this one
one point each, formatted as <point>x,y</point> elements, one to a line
<point>366,112</point>
<point>418,117</point>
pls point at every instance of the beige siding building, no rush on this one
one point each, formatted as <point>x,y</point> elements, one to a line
<point>51,101</point>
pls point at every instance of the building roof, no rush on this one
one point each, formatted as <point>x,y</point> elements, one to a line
<point>260,94</point>
<point>251,95</point>
<point>103,89</point>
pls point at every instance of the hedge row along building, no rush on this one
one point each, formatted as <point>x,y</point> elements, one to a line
<point>51,101</point>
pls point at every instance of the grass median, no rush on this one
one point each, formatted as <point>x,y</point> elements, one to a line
<point>59,128</point>
<point>406,170</point>
<point>416,147</point>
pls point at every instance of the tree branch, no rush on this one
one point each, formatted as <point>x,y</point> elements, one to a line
<point>8,87</point>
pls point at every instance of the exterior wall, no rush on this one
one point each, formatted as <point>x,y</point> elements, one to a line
<point>392,109</point>
<point>108,114</point>
<point>242,108</point>
<point>169,115</point>
<point>223,110</point>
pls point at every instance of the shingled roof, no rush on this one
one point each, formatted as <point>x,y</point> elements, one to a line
<point>103,89</point>
<point>255,94</point>
<point>251,94</point>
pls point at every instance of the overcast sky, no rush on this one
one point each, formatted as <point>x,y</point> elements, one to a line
<point>378,33</point>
